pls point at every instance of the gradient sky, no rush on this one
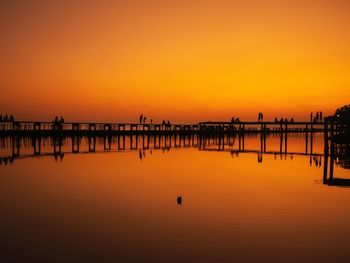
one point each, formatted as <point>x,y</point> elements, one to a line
<point>178,60</point>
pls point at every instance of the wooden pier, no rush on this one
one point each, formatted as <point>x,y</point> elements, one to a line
<point>34,128</point>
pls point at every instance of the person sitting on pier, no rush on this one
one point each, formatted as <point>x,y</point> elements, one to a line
<point>141,118</point>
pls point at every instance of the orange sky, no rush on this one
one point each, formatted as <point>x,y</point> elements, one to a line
<point>178,60</point>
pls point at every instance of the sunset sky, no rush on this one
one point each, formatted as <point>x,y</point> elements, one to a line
<point>186,61</point>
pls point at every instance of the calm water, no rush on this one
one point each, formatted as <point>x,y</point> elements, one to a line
<point>120,205</point>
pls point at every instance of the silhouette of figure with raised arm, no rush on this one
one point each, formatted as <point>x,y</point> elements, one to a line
<point>179,200</point>
<point>141,118</point>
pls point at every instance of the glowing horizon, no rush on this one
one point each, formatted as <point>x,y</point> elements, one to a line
<point>188,62</point>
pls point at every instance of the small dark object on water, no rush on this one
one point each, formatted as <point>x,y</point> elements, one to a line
<point>179,200</point>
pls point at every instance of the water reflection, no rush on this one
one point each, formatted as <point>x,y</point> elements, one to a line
<point>166,199</point>
<point>16,148</point>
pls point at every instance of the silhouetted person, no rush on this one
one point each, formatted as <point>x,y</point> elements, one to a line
<point>311,117</point>
<point>169,123</point>
<point>320,115</point>
<point>285,120</point>
<point>6,118</point>
<point>317,116</point>
<point>292,120</point>
<point>281,121</point>
<point>141,118</point>
<point>11,119</point>
<point>237,119</point>
<point>56,119</point>
<point>179,200</point>
<point>233,119</point>
<point>144,119</point>
<point>62,120</point>
<point>276,120</point>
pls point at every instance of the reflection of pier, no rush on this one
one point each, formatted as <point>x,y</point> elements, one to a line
<point>59,145</point>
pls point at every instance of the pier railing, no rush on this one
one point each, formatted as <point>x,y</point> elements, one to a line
<point>85,128</point>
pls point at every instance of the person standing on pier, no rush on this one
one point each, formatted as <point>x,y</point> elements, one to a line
<point>141,118</point>
<point>144,119</point>
<point>320,115</point>
<point>311,117</point>
<point>317,117</point>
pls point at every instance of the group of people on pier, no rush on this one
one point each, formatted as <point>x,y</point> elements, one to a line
<point>58,120</point>
<point>7,118</point>
<point>143,119</point>
<point>317,117</point>
<point>233,120</point>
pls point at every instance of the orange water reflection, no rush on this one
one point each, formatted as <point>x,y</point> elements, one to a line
<point>116,207</point>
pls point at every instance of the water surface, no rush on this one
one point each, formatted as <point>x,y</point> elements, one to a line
<point>119,204</point>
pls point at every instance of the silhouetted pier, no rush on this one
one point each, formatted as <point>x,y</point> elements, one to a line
<point>33,128</point>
